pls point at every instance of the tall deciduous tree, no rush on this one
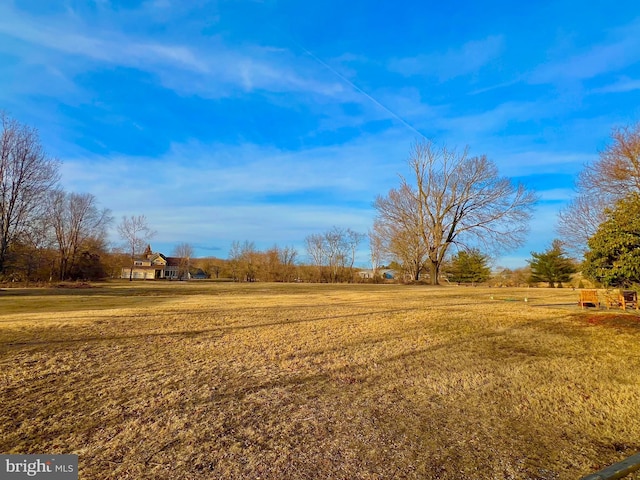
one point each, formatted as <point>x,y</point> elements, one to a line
<point>614,176</point>
<point>376,250</point>
<point>184,253</point>
<point>334,250</point>
<point>288,257</point>
<point>404,245</point>
<point>456,199</point>
<point>579,221</point>
<point>243,260</point>
<point>314,244</point>
<point>135,232</point>
<point>27,175</point>
<point>614,251</point>
<point>76,219</point>
<point>617,171</point>
<point>551,266</point>
<point>279,264</point>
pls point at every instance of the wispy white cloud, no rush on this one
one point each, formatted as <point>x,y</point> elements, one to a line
<point>515,162</point>
<point>495,119</point>
<point>70,36</point>
<point>623,84</point>
<point>236,174</point>
<point>243,192</point>
<point>468,58</point>
<point>211,70</point>
<point>620,51</point>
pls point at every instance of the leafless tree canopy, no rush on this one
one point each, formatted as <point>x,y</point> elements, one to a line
<point>244,261</point>
<point>454,199</point>
<point>579,221</point>
<point>184,252</point>
<point>27,175</point>
<point>335,250</point>
<point>615,175</point>
<point>247,263</point>
<point>135,232</point>
<point>376,249</point>
<point>617,172</point>
<point>405,245</point>
<point>75,219</point>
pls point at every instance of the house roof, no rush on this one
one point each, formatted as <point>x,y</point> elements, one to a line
<point>173,261</point>
<point>158,259</point>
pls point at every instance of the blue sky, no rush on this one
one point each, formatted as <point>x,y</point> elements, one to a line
<point>271,120</point>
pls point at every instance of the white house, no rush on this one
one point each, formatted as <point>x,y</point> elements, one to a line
<point>153,266</point>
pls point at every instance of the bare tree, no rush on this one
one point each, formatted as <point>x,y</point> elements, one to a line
<point>316,251</point>
<point>335,249</point>
<point>184,252</point>
<point>579,221</point>
<point>27,174</point>
<point>136,233</point>
<point>400,230</point>
<point>235,258</point>
<point>376,250</point>
<point>278,264</point>
<point>614,176</point>
<point>250,261</point>
<point>75,219</point>
<point>287,256</point>
<point>244,260</point>
<point>353,241</point>
<point>456,199</point>
<point>405,245</point>
<point>31,251</point>
<point>617,172</point>
<point>214,267</point>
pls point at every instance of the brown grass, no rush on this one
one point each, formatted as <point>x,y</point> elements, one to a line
<point>201,381</point>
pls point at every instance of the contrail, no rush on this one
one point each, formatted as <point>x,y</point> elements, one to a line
<point>357,88</point>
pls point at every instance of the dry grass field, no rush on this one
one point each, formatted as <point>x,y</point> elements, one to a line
<point>234,381</point>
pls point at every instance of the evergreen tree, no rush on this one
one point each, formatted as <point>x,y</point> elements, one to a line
<point>614,250</point>
<point>552,266</point>
<point>469,266</point>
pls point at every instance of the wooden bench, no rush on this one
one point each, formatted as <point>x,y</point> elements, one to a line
<point>589,297</point>
<point>612,299</point>
<point>622,299</point>
<point>629,298</point>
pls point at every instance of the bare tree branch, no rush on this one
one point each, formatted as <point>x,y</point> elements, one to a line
<point>136,233</point>
<point>27,175</point>
<point>75,218</point>
<point>455,199</point>
<point>614,176</point>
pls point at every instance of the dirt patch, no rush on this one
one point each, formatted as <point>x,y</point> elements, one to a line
<point>615,320</point>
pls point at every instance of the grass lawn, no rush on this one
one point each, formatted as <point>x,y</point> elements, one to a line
<point>280,381</point>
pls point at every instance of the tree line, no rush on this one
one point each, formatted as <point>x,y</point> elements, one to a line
<point>455,202</point>
<point>45,232</point>
<point>442,222</point>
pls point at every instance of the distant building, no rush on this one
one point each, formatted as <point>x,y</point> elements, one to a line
<point>385,273</point>
<point>153,266</point>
